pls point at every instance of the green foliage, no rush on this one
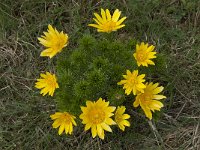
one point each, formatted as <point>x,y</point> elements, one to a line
<point>90,72</point>
<point>93,69</point>
<point>116,96</point>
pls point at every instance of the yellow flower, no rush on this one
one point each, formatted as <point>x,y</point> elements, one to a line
<point>133,82</point>
<point>149,99</point>
<point>120,118</point>
<point>106,22</point>
<point>64,121</point>
<point>96,115</point>
<point>47,83</point>
<point>144,54</point>
<point>53,41</point>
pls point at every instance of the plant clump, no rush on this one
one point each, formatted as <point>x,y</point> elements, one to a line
<point>93,70</point>
<point>91,74</point>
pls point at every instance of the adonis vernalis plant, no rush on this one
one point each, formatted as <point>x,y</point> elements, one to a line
<point>133,82</point>
<point>64,121</point>
<point>53,41</point>
<point>94,69</point>
<point>47,83</point>
<point>106,22</point>
<point>144,54</point>
<point>149,99</point>
<point>121,118</point>
<point>97,116</point>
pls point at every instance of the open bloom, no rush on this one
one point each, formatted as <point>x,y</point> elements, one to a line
<point>133,82</point>
<point>53,41</point>
<point>64,121</point>
<point>144,54</point>
<point>106,22</point>
<point>96,115</point>
<point>47,83</point>
<point>120,118</point>
<point>149,99</point>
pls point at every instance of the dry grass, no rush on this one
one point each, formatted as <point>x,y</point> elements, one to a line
<point>24,119</point>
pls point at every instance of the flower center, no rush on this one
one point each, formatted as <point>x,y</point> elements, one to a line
<point>51,82</point>
<point>146,97</point>
<point>66,118</point>
<point>141,56</point>
<point>109,26</point>
<point>118,118</point>
<point>98,116</point>
<point>133,81</point>
<point>59,44</point>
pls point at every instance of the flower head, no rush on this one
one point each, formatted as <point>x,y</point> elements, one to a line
<point>120,118</point>
<point>64,121</point>
<point>144,53</point>
<point>96,115</point>
<point>133,82</point>
<point>47,83</point>
<point>53,41</point>
<point>106,22</point>
<point>149,99</point>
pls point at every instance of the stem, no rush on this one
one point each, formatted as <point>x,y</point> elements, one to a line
<point>109,36</point>
<point>156,134</point>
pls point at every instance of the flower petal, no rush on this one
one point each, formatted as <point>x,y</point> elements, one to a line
<point>94,131</point>
<point>116,15</point>
<point>61,129</point>
<point>106,127</point>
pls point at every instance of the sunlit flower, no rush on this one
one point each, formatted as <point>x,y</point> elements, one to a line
<point>106,22</point>
<point>96,115</point>
<point>53,41</point>
<point>47,83</point>
<point>64,121</point>
<point>120,118</point>
<point>144,54</point>
<point>133,82</point>
<point>149,99</point>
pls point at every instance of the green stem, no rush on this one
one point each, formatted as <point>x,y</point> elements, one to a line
<point>157,135</point>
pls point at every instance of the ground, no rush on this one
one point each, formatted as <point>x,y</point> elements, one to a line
<point>173,26</point>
